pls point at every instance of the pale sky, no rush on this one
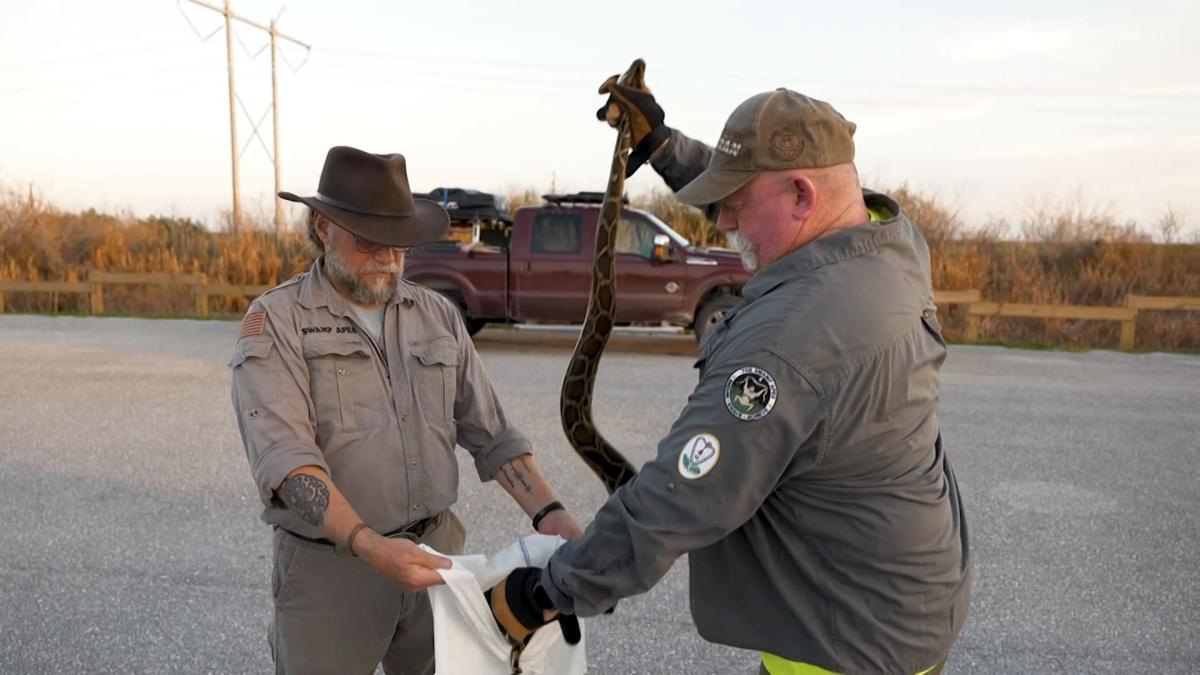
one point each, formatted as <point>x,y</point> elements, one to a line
<point>120,105</point>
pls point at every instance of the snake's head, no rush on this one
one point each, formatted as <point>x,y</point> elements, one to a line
<point>635,78</point>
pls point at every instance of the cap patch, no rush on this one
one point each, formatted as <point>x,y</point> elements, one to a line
<point>786,145</point>
<point>750,394</point>
<point>729,146</point>
<point>699,456</point>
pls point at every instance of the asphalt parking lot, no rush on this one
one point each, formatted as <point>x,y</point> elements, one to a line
<point>131,541</point>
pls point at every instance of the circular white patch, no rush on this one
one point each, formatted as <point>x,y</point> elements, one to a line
<point>699,456</point>
<point>750,394</point>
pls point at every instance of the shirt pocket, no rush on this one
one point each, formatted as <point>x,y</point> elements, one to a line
<point>435,377</point>
<point>345,386</point>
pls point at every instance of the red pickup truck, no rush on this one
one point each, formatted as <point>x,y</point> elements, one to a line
<point>538,269</point>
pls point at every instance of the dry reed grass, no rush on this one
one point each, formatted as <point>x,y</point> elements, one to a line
<point>1065,255</point>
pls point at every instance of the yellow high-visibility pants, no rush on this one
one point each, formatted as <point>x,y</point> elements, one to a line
<point>777,665</point>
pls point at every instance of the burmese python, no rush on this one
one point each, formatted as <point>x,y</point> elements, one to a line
<point>575,403</point>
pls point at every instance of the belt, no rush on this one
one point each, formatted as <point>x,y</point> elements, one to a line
<point>413,530</point>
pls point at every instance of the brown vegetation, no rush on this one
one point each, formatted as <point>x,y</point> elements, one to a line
<point>1064,256</point>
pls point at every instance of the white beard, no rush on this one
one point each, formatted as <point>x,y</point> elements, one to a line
<point>363,292</point>
<point>744,248</point>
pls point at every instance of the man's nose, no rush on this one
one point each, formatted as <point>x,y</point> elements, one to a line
<point>725,219</point>
<point>388,254</point>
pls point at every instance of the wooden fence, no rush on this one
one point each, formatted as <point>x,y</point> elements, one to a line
<point>977,307</point>
<point>196,284</point>
<point>1127,316</point>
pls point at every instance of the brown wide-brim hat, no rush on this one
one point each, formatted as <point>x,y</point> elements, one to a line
<point>773,131</point>
<point>368,195</point>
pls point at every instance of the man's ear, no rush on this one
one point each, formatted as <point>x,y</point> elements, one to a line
<point>805,197</point>
<point>322,228</point>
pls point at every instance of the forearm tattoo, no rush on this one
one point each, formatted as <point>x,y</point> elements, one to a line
<point>515,473</point>
<point>308,496</point>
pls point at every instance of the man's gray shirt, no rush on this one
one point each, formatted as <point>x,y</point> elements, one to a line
<point>805,477</point>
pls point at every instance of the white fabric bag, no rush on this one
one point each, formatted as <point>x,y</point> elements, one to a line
<point>466,639</point>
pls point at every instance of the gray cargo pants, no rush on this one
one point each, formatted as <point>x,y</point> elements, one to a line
<point>335,614</point>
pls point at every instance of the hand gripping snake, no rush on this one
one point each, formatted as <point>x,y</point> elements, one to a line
<point>575,403</point>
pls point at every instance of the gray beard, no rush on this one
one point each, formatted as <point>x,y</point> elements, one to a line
<point>744,248</point>
<point>363,293</point>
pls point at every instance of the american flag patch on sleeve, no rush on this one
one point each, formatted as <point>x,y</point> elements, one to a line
<point>255,323</point>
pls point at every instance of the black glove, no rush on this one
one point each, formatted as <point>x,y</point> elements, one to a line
<point>519,603</point>
<point>646,127</point>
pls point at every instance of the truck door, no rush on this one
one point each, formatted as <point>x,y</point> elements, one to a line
<point>647,289</point>
<point>553,280</point>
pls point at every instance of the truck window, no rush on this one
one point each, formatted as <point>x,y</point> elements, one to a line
<point>557,233</point>
<point>635,236</point>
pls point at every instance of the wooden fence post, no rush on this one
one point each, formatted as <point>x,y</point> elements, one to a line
<point>1129,328</point>
<point>97,295</point>
<point>972,326</point>
<point>72,277</point>
<point>1128,331</point>
<point>201,291</point>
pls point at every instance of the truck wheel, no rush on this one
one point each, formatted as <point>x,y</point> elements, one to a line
<point>712,312</point>
<point>473,325</point>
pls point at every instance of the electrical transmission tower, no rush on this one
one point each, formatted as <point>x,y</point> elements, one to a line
<point>234,101</point>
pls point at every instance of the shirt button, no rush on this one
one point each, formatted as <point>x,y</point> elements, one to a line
<point>341,371</point>
<point>413,463</point>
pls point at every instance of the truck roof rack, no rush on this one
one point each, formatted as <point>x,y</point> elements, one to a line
<point>595,198</point>
<point>466,205</point>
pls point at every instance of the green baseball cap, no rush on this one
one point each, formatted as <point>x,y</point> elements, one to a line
<point>772,131</point>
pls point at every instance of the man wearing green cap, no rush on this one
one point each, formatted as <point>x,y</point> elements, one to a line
<point>805,478</point>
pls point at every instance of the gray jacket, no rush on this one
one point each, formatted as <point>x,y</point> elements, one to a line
<point>805,477</point>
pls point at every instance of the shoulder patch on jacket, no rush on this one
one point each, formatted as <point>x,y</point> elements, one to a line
<point>750,393</point>
<point>255,323</point>
<point>699,455</point>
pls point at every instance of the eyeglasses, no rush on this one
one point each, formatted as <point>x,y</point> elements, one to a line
<point>367,246</point>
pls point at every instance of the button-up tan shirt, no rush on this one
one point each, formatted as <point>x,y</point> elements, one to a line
<point>311,386</point>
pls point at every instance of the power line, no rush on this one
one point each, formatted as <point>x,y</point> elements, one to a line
<point>246,47</point>
<point>1087,113</point>
<point>47,86</point>
<point>234,101</point>
<point>62,103</point>
<point>526,66</point>
<point>90,57</point>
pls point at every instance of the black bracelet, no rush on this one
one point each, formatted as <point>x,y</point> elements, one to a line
<point>547,510</point>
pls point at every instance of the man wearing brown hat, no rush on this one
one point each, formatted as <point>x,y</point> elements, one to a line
<point>352,387</point>
<point>805,478</point>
